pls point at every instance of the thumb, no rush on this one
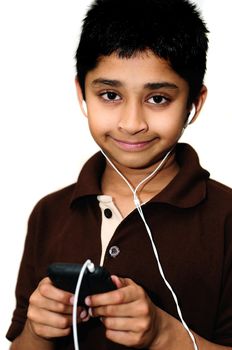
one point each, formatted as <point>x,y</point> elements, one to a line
<point>119,281</point>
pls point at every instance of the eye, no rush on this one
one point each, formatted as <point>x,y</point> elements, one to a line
<point>110,96</point>
<point>158,100</point>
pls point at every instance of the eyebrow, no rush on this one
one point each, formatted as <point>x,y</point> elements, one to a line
<point>149,86</point>
<point>156,86</point>
<point>109,82</point>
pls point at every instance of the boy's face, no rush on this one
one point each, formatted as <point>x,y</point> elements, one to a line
<point>137,108</point>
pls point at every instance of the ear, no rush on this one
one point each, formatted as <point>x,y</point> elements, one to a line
<point>199,103</point>
<point>80,97</point>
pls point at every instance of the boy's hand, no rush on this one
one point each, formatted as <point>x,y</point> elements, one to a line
<point>128,314</point>
<point>50,311</point>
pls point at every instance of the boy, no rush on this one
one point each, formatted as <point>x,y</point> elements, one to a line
<point>140,70</point>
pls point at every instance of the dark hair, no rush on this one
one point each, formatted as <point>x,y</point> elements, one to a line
<point>171,29</point>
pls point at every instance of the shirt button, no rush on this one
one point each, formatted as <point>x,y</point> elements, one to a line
<point>108,213</point>
<point>114,251</point>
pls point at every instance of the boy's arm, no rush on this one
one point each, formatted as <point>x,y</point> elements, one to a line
<point>29,341</point>
<point>173,336</point>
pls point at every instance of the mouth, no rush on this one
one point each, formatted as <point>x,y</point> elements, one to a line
<point>132,146</point>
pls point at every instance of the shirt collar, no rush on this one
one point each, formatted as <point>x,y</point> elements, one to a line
<point>187,189</point>
<point>89,180</point>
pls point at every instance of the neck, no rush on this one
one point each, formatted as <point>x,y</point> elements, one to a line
<point>149,183</point>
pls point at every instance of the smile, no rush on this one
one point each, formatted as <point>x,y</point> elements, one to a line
<point>132,146</point>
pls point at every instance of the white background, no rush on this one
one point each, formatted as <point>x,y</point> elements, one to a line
<point>44,139</point>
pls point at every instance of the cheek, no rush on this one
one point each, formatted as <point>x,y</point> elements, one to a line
<point>167,127</point>
<point>99,125</point>
<point>101,121</point>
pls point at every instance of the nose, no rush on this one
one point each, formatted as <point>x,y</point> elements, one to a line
<point>132,120</point>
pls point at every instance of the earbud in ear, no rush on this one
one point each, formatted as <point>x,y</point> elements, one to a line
<point>84,107</point>
<point>191,114</point>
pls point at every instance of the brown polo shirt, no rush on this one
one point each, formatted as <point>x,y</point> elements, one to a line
<point>191,223</point>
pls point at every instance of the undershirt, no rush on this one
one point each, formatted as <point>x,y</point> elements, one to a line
<point>111,218</point>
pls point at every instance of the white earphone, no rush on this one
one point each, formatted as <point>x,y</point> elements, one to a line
<point>190,116</point>
<point>84,107</point>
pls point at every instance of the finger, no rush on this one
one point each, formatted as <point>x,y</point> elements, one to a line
<point>46,289</point>
<point>126,324</point>
<point>84,316</point>
<point>119,282</point>
<point>138,308</point>
<point>47,331</point>
<point>51,305</point>
<point>124,295</point>
<point>48,318</point>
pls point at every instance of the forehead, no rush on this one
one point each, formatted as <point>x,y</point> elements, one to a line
<point>138,70</point>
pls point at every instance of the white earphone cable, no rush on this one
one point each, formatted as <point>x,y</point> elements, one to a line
<point>139,208</point>
<point>88,264</point>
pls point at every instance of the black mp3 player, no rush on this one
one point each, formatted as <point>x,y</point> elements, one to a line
<point>65,275</point>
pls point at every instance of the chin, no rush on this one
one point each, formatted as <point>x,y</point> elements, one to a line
<point>134,161</point>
